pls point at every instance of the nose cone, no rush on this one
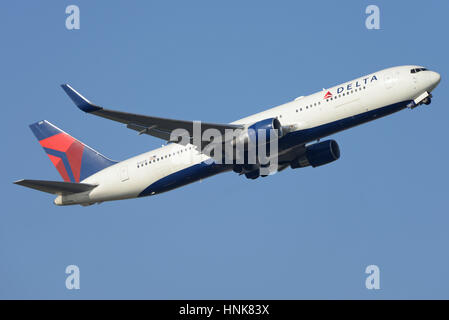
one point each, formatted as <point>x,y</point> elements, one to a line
<point>434,78</point>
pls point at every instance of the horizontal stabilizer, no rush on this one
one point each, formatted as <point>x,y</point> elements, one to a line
<point>56,187</point>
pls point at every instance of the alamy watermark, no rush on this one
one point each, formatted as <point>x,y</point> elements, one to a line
<point>73,279</point>
<point>372,282</point>
<point>72,22</point>
<point>250,146</point>
<point>373,20</point>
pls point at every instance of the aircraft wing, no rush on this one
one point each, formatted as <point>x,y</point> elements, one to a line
<point>154,126</point>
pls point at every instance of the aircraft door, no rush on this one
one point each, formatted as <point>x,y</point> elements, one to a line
<point>389,81</point>
<point>415,81</point>
<point>124,173</point>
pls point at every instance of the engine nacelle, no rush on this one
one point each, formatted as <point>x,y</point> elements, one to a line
<point>263,128</point>
<point>260,132</point>
<point>318,154</point>
<point>256,141</point>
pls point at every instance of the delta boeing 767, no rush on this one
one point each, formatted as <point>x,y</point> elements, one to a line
<point>89,177</point>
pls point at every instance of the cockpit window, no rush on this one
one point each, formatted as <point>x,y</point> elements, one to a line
<point>416,70</point>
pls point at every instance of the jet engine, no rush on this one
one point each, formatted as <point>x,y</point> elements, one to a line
<point>260,132</point>
<point>258,135</point>
<point>318,154</point>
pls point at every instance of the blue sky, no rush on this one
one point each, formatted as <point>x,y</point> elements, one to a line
<point>307,233</point>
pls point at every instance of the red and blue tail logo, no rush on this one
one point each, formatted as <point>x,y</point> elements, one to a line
<point>74,160</point>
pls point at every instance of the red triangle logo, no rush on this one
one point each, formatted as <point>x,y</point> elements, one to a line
<point>328,95</point>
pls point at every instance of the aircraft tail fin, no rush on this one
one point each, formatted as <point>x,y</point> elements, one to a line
<point>74,160</point>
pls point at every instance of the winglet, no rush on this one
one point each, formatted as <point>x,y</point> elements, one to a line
<point>81,102</point>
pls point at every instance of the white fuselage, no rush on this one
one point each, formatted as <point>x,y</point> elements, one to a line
<point>160,167</point>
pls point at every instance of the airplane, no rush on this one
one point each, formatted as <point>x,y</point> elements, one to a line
<point>90,177</point>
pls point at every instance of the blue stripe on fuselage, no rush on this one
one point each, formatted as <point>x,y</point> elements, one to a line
<point>311,134</point>
<point>188,175</point>
<point>204,170</point>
